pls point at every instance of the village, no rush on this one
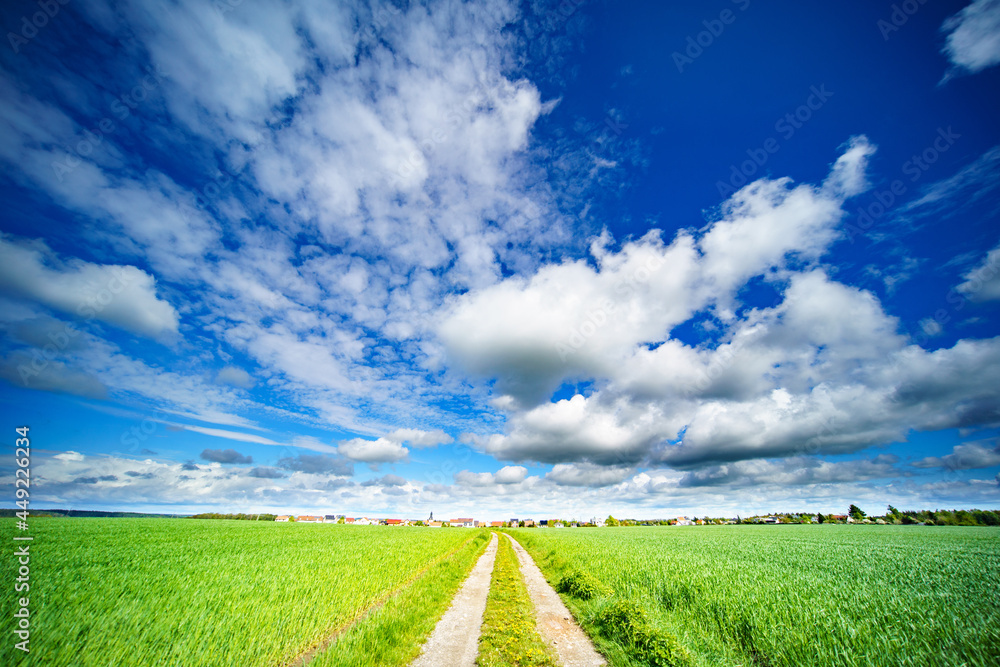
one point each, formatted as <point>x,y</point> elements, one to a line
<point>465,522</point>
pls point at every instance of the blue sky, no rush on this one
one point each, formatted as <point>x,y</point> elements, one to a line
<point>555,259</point>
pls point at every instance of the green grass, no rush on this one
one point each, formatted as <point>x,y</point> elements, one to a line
<point>394,633</point>
<point>215,593</point>
<point>509,635</point>
<point>786,595</point>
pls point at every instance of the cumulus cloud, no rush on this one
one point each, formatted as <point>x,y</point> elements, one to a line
<point>225,456</point>
<point>234,377</point>
<point>973,36</point>
<point>791,380</point>
<point>967,456</point>
<point>510,475</point>
<point>123,296</point>
<point>982,283</point>
<point>390,448</point>
<point>417,438</point>
<point>797,471</point>
<point>753,486</point>
<point>381,450</point>
<point>574,319</point>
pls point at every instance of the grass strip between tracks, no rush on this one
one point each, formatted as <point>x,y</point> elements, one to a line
<point>509,635</point>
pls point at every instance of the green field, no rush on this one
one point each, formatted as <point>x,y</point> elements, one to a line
<point>782,595</point>
<point>214,593</point>
<point>186,592</point>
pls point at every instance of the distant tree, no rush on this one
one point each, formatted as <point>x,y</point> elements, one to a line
<point>821,517</point>
<point>340,520</point>
<point>856,512</point>
<point>611,521</point>
<point>292,519</point>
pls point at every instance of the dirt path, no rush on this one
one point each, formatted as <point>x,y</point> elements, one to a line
<point>555,623</point>
<point>455,640</point>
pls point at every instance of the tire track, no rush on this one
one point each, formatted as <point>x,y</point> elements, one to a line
<point>455,640</point>
<point>555,623</point>
<point>307,656</point>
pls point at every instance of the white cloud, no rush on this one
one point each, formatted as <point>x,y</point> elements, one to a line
<point>381,450</point>
<point>973,41</point>
<point>571,320</point>
<point>749,487</point>
<point>510,475</point>
<point>965,457</point>
<point>982,283</point>
<point>466,478</point>
<point>416,438</point>
<point>229,435</point>
<point>234,377</point>
<point>312,443</point>
<point>572,429</point>
<point>124,296</point>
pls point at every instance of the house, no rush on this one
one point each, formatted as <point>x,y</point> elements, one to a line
<point>463,523</point>
<point>309,518</point>
<point>496,524</point>
<point>364,521</point>
<point>282,517</point>
<point>434,524</point>
<point>598,522</point>
<point>840,517</point>
<point>513,522</point>
<point>330,518</point>
<point>683,521</point>
<point>393,522</point>
<point>529,523</point>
